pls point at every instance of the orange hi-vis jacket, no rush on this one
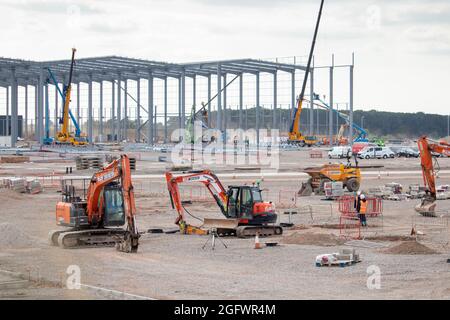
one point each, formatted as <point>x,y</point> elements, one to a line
<point>363,208</point>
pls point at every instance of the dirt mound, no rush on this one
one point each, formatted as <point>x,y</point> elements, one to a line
<point>299,227</point>
<point>410,247</point>
<point>13,237</point>
<point>390,238</point>
<point>310,238</point>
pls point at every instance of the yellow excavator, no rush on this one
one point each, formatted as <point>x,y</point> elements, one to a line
<point>64,136</point>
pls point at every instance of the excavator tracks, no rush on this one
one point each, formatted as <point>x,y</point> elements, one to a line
<point>262,231</point>
<point>86,238</point>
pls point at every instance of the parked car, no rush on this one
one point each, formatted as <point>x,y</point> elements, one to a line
<point>340,152</point>
<point>443,192</point>
<point>376,152</point>
<point>407,153</point>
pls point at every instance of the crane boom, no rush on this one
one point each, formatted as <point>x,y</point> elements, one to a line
<point>67,91</point>
<point>64,136</point>
<point>362,133</point>
<point>295,133</point>
<point>74,121</point>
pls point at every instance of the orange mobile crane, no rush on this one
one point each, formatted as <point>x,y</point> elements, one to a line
<point>98,219</point>
<point>243,203</point>
<point>426,148</point>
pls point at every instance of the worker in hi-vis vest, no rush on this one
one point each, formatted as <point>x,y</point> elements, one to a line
<point>361,208</point>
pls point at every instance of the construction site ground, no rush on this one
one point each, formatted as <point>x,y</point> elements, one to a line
<point>174,266</point>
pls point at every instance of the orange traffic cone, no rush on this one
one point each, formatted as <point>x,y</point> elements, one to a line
<point>258,244</point>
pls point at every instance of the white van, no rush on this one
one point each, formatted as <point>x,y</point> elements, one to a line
<point>376,152</point>
<point>340,152</point>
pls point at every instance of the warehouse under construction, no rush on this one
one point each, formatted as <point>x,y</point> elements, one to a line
<point>246,177</point>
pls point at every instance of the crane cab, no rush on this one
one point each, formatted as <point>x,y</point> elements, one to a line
<point>246,204</point>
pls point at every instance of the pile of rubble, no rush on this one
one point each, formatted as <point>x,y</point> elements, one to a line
<point>14,159</point>
<point>22,185</point>
<point>394,191</point>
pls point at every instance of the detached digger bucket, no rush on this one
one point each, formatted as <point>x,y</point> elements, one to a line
<point>220,223</point>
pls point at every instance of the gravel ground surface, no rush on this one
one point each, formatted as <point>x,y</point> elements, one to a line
<point>174,266</point>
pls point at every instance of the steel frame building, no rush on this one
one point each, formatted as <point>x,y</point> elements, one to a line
<point>117,70</point>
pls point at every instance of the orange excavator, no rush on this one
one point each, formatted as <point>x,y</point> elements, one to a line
<point>242,204</point>
<point>98,219</point>
<point>426,148</point>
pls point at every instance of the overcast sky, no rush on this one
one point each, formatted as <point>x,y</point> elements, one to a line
<point>402,47</point>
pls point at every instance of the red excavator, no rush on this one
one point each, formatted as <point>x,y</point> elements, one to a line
<point>426,148</point>
<point>98,219</point>
<point>242,204</point>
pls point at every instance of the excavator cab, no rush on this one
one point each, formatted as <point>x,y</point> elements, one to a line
<point>245,203</point>
<point>113,204</point>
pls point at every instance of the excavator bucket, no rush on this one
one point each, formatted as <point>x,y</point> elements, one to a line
<point>220,223</point>
<point>306,189</point>
<point>426,208</point>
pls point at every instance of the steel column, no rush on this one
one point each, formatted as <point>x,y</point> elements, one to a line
<point>293,105</point>
<point>138,110</point>
<point>209,99</point>
<point>225,112</point>
<point>219,99</point>
<point>14,109</point>
<point>241,98</point>
<point>8,132</point>
<point>100,111</point>
<point>150,109</point>
<point>56,110</point>
<point>119,106</point>
<point>78,103</point>
<point>183,100</point>
<point>125,110</point>
<point>350,131</point>
<point>194,90</point>
<point>274,115</point>
<point>165,110</point>
<point>155,124</point>
<point>47,112</point>
<point>330,117</point>
<point>257,109</point>
<point>89,116</point>
<point>179,104</point>
<point>311,104</point>
<point>113,106</point>
<point>25,126</point>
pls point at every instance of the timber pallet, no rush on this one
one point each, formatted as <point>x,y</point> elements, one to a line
<point>340,263</point>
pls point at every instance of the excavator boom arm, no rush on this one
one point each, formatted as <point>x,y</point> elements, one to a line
<point>426,147</point>
<point>207,178</point>
<point>118,169</point>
